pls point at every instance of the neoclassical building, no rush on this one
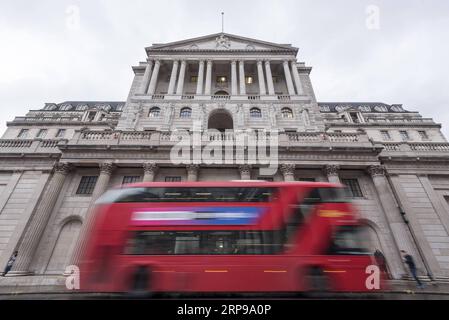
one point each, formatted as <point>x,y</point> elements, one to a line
<point>57,160</point>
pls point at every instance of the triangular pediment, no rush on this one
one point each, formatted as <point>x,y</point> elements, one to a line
<point>222,41</point>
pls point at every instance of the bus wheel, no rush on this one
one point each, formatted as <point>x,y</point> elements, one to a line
<point>140,283</point>
<point>317,281</point>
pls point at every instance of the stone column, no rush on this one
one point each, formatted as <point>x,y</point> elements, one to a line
<point>150,169</point>
<point>394,220</point>
<point>182,75</point>
<point>192,172</point>
<point>154,76</point>
<point>245,172</point>
<point>36,228</point>
<point>260,76</point>
<point>331,172</point>
<point>288,171</point>
<point>299,88</point>
<point>174,73</point>
<point>269,78</point>
<point>208,78</point>
<point>146,78</point>
<point>242,77</point>
<point>288,79</point>
<point>200,79</point>
<point>233,78</point>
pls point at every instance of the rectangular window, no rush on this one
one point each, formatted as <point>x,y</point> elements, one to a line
<point>131,179</point>
<point>270,179</point>
<point>354,117</point>
<point>91,116</point>
<point>307,179</point>
<point>404,135</point>
<point>249,80</point>
<point>42,133</point>
<point>173,179</point>
<point>87,185</point>
<point>60,133</point>
<point>275,79</point>
<point>23,134</point>
<point>222,79</point>
<point>353,188</point>
<point>194,79</point>
<point>385,135</point>
<point>423,135</point>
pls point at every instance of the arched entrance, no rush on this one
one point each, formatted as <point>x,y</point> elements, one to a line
<point>220,120</point>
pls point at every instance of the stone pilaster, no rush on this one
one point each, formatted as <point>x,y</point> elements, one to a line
<point>36,227</point>
<point>174,73</point>
<point>200,79</point>
<point>192,172</point>
<point>260,77</point>
<point>269,78</point>
<point>299,89</point>
<point>182,75</point>
<point>234,77</point>
<point>208,78</point>
<point>154,76</point>
<point>331,172</point>
<point>245,172</point>
<point>288,171</point>
<point>150,169</point>
<point>288,79</point>
<point>242,77</point>
<point>146,78</point>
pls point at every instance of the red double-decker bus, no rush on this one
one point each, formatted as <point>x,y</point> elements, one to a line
<point>225,237</point>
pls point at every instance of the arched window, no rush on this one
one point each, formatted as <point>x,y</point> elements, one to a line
<point>185,112</point>
<point>255,113</point>
<point>287,113</point>
<point>154,112</point>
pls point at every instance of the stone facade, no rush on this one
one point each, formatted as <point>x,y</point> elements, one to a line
<point>56,161</point>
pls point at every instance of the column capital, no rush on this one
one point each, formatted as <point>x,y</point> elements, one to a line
<point>259,62</point>
<point>288,168</point>
<point>209,61</point>
<point>175,61</point>
<point>233,61</point>
<point>150,167</point>
<point>157,61</point>
<point>241,61</point>
<point>183,61</point>
<point>63,167</point>
<point>286,62</point>
<point>201,61</point>
<point>376,170</point>
<point>331,170</point>
<point>192,168</point>
<point>267,61</point>
<point>106,168</point>
<point>245,169</point>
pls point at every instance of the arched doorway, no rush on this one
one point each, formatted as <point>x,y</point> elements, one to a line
<point>220,120</point>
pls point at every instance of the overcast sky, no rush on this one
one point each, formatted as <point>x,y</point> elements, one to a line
<point>402,57</point>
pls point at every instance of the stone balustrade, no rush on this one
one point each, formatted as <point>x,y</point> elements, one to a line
<point>29,145</point>
<point>416,147</point>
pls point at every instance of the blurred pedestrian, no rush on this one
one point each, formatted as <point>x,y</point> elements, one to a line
<point>408,259</point>
<point>10,263</point>
<point>381,261</point>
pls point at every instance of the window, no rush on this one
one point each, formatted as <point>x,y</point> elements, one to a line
<point>275,79</point>
<point>91,116</point>
<point>353,188</point>
<point>287,113</point>
<point>42,133</point>
<point>60,133</point>
<point>404,135</point>
<point>172,179</point>
<point>249,80</point>
<point>354,117</point>
<point>222,79</point>
<point>154,112</point>
<point>81,107</point>
<point>270,179</point>
<point>423,135</point>
<point>385,135</point>
<point>87,185</point>
<point>307,179</point>
<point>337,131</point>
<point>131,179</point>
<point>194,79</point>
<point>255,113</point>
<point>185,112</point>
<point>23,134</point>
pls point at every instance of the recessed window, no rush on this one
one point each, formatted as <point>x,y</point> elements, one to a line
<point>275,79</point>
<point>222,79</point>
<point>385,135</point>
<point>173,179</point>
<point>87,185</point>
<point>91,116</point>
<point>194,79</point>
<point>255,113</point>
<point>42,133</point>
<point>287,113</point>
<point>60,133</point>
<point>23,134</point>
<point>249,80</point>
<point>154,112</point>
<point>353,188</point>
<point>131,179</point>
<point>354,117</point>
<point>185,112</point>
<point>404,135</point>
<point>423,135</point>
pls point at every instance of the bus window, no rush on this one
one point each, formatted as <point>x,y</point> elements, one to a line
<point>348,240</point>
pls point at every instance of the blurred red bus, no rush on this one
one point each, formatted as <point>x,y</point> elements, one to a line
<point>225,237</point>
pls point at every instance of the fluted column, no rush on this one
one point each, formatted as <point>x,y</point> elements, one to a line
<point>35,230</point>
<point>192,172</point>
<point>269,78</point>
<point>331,172</point>
<point>154,77</point>
<point>299,89</point>
<point>146,78</point>
<point>288,79</point>
<point>182,75</point>
<point>174,73</point>
<point>208,78</point>
<point>394,220</point>
<point>234,78</point>
<point>260,76</point>
<point>242,77</point>
<point>200,79</point>
<point>150,169</point>
<point>245,172</point>
<point>288,171</point>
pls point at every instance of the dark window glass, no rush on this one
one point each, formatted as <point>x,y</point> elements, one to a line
<point>154,112</point>
<point>131,179</point>
<point>87,185</point>
<point>353,188</point>
<point>173,179</point>
<point>185,113</point>
<point>255,113</point>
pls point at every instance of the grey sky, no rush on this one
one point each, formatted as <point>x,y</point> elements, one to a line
<point>43,58</point>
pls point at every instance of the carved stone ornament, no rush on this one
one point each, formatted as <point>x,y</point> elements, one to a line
<point>150,167</point>
<point>287,168</point>
<point>62,168</point>
<point>223,42</point>
<point>106,168</point>
<point>331,170</point>
<point>376,171</point>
